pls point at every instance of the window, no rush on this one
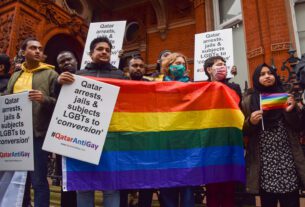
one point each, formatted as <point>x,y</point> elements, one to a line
<point>132,32</point>
<point>228,14</point>
<point>300,25</point>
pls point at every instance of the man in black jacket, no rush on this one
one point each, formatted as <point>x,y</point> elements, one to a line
<point>100,52</point>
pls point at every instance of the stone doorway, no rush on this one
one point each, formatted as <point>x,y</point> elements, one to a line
<point>62,42</point>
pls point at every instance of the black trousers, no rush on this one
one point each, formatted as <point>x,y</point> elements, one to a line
<point>291,199</point>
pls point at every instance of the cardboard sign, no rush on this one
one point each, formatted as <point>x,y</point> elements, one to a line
<point>16,132</point>
<point>210,44</point>
<point>81,119</point>
<point>114,31</point>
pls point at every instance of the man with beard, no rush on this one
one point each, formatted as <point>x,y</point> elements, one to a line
<point>100,52</point>
<point>137,68</point>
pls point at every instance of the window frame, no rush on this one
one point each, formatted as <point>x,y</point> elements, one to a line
<point>294,24</point>
<point>227,24</point>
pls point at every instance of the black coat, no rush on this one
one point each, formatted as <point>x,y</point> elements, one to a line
<point>101,70</point>
<point>236,88</point>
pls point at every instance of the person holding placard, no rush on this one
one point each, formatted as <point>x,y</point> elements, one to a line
<point>38,78</point>
<point>66,62</point>
<point>274,157</point>
<point>100,52</point>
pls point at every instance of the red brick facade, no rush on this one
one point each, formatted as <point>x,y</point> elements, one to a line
<point>22,19</point>
<point>266,31</point>
<point>169,24</point>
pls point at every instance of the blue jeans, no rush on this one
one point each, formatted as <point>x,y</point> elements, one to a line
<point>170,197</point>
<point>39,175</point>
<point>86,198</point>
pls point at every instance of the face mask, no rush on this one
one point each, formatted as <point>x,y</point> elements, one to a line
<point>220,73</point>
<point>177,70</point>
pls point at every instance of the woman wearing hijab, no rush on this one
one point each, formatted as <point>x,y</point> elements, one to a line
<point>274,158</point>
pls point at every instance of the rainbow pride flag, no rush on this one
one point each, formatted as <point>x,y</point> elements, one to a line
<point>270,101</point>
<point>165,134</point>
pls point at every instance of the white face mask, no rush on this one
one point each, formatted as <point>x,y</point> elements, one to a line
<point>220,73</point>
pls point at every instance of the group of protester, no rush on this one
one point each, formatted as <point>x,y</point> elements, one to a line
<point>275,163</point>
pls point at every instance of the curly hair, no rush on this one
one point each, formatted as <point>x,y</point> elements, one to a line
<point>169,60</point>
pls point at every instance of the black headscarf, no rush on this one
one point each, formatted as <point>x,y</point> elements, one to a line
<point>271,117</point>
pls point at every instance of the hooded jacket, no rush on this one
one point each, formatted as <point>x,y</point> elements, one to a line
<point>43,79</point>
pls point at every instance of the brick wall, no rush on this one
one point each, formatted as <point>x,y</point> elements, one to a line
<point>266,32</point>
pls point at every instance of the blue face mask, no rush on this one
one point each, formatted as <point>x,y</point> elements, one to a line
<point>177,70</point>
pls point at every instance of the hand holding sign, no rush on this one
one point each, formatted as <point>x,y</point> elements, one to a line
<point>79,124</point>
<point>16,132</point>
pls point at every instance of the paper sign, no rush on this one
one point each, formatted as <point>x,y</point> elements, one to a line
<point>81,119</point>
<point>114,31</point>
<point>16,132</point>
<point>216,43</point>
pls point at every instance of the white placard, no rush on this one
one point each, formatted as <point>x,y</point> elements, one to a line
<point>210,44</point>
<point>114,31</point>
<point>16,132</point>
<point>80,120</point>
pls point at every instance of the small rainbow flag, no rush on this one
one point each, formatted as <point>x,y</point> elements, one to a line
<point>166,134</point>
<point>270,101</point>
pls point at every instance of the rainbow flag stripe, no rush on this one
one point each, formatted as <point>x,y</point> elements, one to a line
<point>270,101</point>
<point>166,134</point>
